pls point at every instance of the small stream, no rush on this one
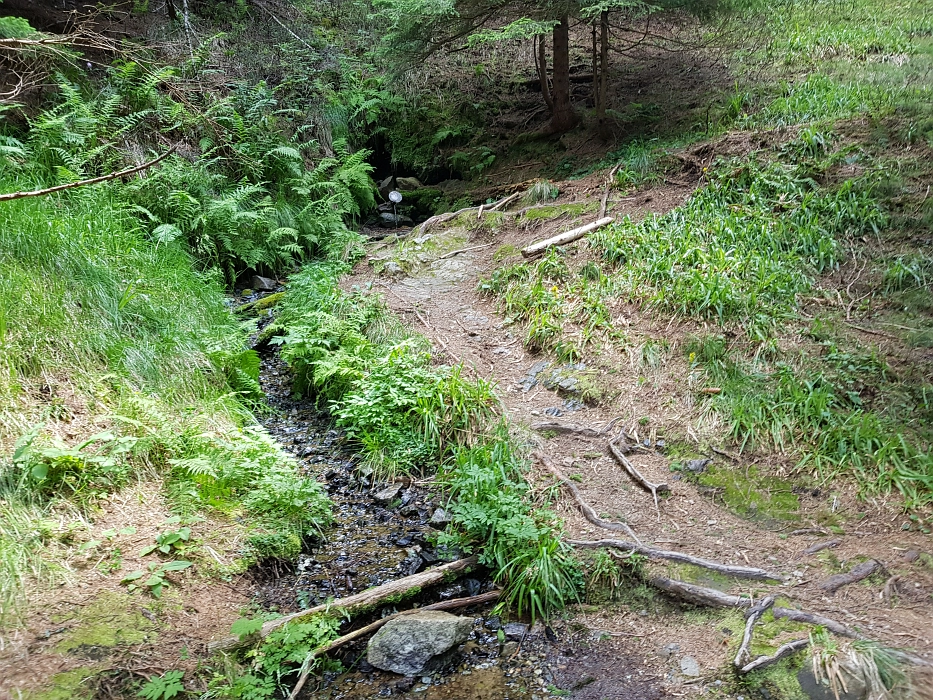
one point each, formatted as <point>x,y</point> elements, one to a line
<point>379,536</point>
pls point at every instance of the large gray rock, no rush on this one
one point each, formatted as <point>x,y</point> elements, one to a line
<point>263,284</point>
<point>406,644</point>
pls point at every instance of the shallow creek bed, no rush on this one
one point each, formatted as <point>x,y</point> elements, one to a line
<point>380,535</point>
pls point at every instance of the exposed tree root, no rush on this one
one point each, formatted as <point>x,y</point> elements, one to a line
<point>746,572</point>
<point>751,617</point>
<point>585,507</point>
<point>373,626</point>
<point>837,628</point>
<point>365,599</point>
<point>783,651</point>
<point>635,474</point>
<point>820,546</point>
<point>859,572</point>
<point>698,595</point>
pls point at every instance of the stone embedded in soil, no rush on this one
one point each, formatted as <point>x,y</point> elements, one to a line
<point>406,645</point>
<point>263,284</point>
<point>388,493</point>
<point>440,517</point>
<point>514,630</point>
<point>689,666</point>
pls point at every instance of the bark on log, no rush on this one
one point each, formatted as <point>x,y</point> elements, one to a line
<point>746,572</point>
<point>373,626</point>
<point>585,507</point>
<point>367,598</point>
<point>782,652</point>
<point>862,571</point>
<point>699,595</point>
<point>566,237</point>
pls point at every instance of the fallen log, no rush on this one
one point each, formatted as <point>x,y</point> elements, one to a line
<point>373,626</point>
<point>92,181</point>
<point>365,599</point>
<point>566,237</point>
<point>550,426</point>
<point>635,474</point>
<point>585,507</point>
<point>836,628</point>
<point>746,572</point>
<point>698,595</point>
<point>783,651</point>
<point>859,572</point>
<point>751,617</point>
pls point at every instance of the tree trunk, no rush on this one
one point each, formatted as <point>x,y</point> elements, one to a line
<point>602,125</point>
<point>541,67</point>
<point>172,12</point>
<point>563,118</point>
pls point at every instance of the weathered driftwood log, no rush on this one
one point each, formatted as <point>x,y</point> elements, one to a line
<point>356,602</point>
<point>373,626</point>
<point>783,651</point>
<point>698,595</point>
<point>746,572</point>
<point>585,507</point>
<point>566,237</point>
<point>751,617</point>
<point>859,572</point>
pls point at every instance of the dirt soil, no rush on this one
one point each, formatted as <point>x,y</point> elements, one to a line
<point>437,293</point>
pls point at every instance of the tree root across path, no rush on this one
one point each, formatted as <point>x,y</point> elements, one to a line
<point>636,475</point>
<point>365,599</point>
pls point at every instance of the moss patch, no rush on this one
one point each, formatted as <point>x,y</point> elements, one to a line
<point>69,685</point>
<point>110,620</point>
<point>750,494</point>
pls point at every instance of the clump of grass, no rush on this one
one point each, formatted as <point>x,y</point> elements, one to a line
<point>540,192</point>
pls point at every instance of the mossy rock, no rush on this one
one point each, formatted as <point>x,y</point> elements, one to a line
<point>422,203</point>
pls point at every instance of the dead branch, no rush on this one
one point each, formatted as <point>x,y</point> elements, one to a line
<point>859,572</point>
<point>373,626</point>
<point>367,598</point>
<point>502,202</point>
<point>566,237</point>
<point>92,181</point>
<point>836,628</point>
<point>698,595</point>
<point>423,227</point>
<point>609,181</point>
<point>820,546</point>
<point>751,617</point>
<point>585,507</point>
<point>783,651</point>
<point>746,572</point>
<point>807,531</point>
<point>634,473</point>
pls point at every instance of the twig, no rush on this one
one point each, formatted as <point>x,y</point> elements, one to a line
<point>751,617</point>
<point>463,250</point>
<point>585,507</point>
<point>502,202</point>
<point>636,475</point>
<point>92,181</point>
<point>871,331</point>
<point>747,572</point>
<point>783,651</point>
<point>373,626</point>
<point>808,531</point>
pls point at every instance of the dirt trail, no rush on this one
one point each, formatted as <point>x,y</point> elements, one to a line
<point>439,297</point>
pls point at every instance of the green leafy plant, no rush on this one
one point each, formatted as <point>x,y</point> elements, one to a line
<point>156,579</point>
<point>165,687</point>
<point>169,542</point>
